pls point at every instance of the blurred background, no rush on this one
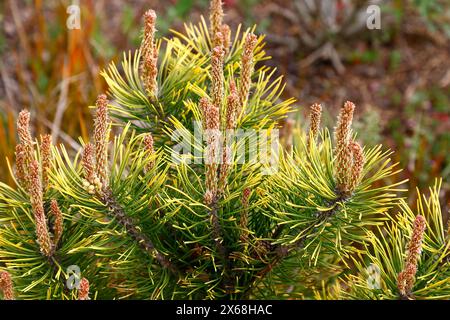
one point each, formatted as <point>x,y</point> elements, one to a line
<point>398,75</point>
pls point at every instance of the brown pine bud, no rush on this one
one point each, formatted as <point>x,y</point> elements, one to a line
<point>217,78</point>
<point>226,37</point>
<point>149,54</point>
<point>342,135</point>
<point>6,285</point>
<point>46,156</point>
<point>149,148</point>
<point>83,291</point>
<point>37,205</point>
<point>406,278</point>
<point>58,225</point>
<point>232,105</point>
<point>314,121</point>
<point>20,166</point>
<point>212,120</point>
<point>246,70</point>
<point>357,164</point>
<point>24,133</point>
<point>88,162</point>
<point>101,138</point>
<point>215,21</point>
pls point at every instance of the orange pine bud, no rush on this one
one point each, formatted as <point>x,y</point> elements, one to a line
<point>46,156</point>
<point>149,54</point>
<point>101,138</point>
<point>215,21</point>
<point>232,106</point>
<point>357,164</point>
<point>58,225</point>
<point>212,121</point>
<point>6,286</point>
<point>342,135</point>
<point>247,65</point>
<point>217,78</point>
<point>314,121</point>
<point>226,37</point>
<point>88,162</point>
<point>406,278</point>
<point>24,133</point>
<point>20,166</point>
<point>83,291</point>
<point>37,205</point>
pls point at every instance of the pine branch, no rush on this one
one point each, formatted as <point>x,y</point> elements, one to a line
<point>116,211</point>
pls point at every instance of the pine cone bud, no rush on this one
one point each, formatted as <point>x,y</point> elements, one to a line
<point>149,54</point>
<point>24,133</point>
<point>46,156</point>
<point>38,210</point>
<point>6,286</point>
<point>226,38</point>
<point>314,121</point>
<point>83,292</point>
<point>88,162</point>
<point>342,150</point>
<point>357,164</point>
<point>58,225</point>
<point>405,280</point>
<point>246,70</point>
<point>217,78</point>
<point>101,138</point>
<point>20,166</point>
<point>215,21</point>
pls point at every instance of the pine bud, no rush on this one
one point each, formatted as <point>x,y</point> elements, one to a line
<point>314,121</point>
<point>215,20</point>
<point>101,138</point>
<point>246,70</point>
<point>208,197</point>
<point>149,53</point>
<point>148,145</point>
<point>232,106</point>
<point>89,164</point>
<point>343,153</point>
<point>212,121</point>
<point>38,210</point>
<point>357,164</point>
<point>24,133</point>
<point>20,166</point>
<point>58,225</point>
<point>226,37</point>
<point>83,291</point>
<point>217,78</point>
<point>6,286</point>
<point>405,280</point>
<point>46,156</point>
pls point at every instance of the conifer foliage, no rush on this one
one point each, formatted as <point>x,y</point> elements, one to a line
<point>135,221</point>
